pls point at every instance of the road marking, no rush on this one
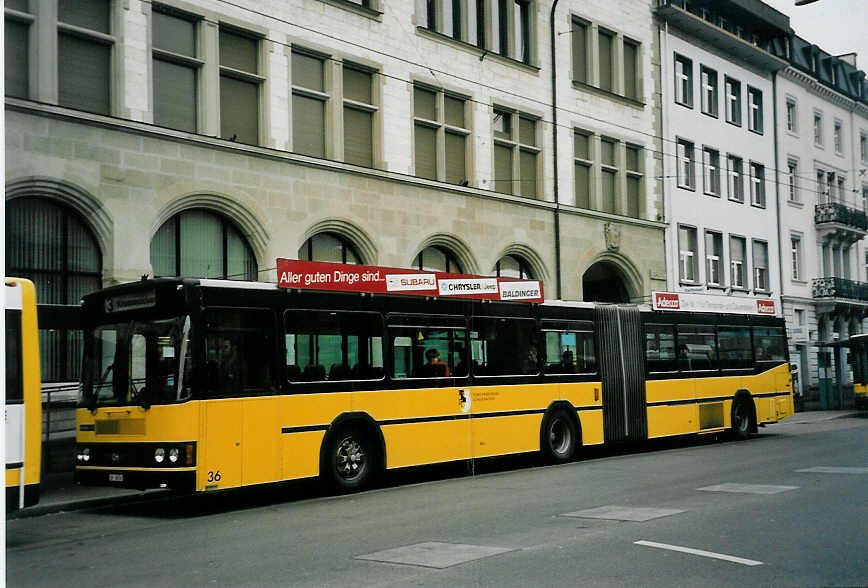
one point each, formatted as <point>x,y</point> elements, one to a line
<point>748,488</point>
<point>434,554</point>
<point>623,513</point>
<point>711,554</point>
<point>835,470</point>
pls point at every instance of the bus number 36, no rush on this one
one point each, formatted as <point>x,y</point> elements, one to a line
<point>214,476</point>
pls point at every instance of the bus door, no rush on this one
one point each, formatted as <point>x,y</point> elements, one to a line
<point>622,370</point>
<point>507,395</point>
<point>241,432</point>
<point>431,415</point>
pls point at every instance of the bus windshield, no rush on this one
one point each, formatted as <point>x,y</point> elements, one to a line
<point>137,362</point>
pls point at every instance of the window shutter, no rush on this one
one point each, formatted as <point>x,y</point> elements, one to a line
<point>88,14</point>
<point>503,169</point>
<point>583,193</point>
<point>307,72</point>
<point>357,85</point>
<point>174,34</point>
<point>454,112</point>
<point>308,126</point>
<point>580,52</point>
<point>633,193</point>
<point>607,200</point>
<point>527,160</point>
<point>424,104</point>
<point>174,95</point>
<point>605,42</point>
<point>358,137</point>
<point>631,73</point>
<point>455,158</point>
<point>83,74</point>
<point>239,110</point>
<point>426,152</point>
<point>239,52</point>
<point>16,62</point>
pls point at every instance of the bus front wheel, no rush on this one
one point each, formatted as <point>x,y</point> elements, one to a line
<point>559,437</point>
<point>350,459</point>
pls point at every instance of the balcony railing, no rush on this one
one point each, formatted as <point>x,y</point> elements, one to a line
<point>839,288</point>
<point>834,212</point>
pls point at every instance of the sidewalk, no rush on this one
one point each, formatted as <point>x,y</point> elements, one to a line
<point>60,493</point>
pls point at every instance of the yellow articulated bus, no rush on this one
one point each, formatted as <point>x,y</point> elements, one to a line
<point>23,395</point>
<point>205,384</point>
<point>858,345</point>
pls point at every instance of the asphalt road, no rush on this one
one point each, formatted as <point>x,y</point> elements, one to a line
<point>698,513</point>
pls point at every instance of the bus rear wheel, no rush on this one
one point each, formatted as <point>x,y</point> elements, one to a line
<point>350,460</point>
<point>741,419</point>
<point>559,437</point>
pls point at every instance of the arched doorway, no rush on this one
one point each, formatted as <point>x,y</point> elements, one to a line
<point>604,282</point>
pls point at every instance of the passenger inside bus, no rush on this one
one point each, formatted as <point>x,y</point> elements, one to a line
<point>434,366</point>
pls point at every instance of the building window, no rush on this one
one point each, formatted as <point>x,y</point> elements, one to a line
<point>608,175</point>
<point>239,86</point>
<point>522,30</point>
<point>760,265</point>
<point>16,48</point>
<point>84,55</point>
<point>686,165</point>
<point>328,247</point>
<point>52,246</point>
<point>441,129</point>
<point>580,40</point>
<point>606,55</point>
<point>512,266</point>
<point>514,28</point>
<point>796,254</point>
<point>733,101</point>
<point>755,103</point>
<point>481,24</point>
<point>176,69</point>
<point>688,270</point>
<point>683,81</point>
<point>359,111</point>
<point>714,258</point>
<point>792,116</point>
<point>793,180</point>
<point>839,137</point>
<point>735,173</point>
<point>437,259</point>
<point>711,171</point>
<point>863,147</point>
<point>818,129</point>
<point>757,185</point>
<point>199,243</point>
<point>737,262</point>
<point>457,19</point>
<point>583,168</point>
<point>309,104</point>
<point>516,153</point>
<point>634,166</point>
<point>708,80</point>
<point>632,77</point>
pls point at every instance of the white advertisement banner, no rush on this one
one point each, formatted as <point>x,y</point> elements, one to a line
<point>689,302</point>
<point>410,282</point>
<point>14,423</point>
<point>520,290</point>
<point>464,286</point>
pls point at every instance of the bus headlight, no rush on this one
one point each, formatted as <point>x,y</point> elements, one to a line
<point>173,454</point>
<point>159,455</point>
<point>83,454</point>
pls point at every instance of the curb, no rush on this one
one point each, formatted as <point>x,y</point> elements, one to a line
<point>38,510</point>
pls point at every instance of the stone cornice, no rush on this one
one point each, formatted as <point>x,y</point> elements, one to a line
<point>822,91</point>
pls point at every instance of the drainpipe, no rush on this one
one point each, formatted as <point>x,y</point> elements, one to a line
<point>777,187</point>
<point>555,155</point>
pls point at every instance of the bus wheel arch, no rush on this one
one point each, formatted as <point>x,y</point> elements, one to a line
<point>743,421</point>
<point>352,453</point>
<point>560,432</point>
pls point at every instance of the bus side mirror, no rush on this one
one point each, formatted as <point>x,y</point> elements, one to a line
<point>794,369</point>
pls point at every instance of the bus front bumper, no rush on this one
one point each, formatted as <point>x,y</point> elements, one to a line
<point>139,479</point>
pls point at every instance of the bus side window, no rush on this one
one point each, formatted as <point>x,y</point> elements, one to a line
<point>420,352</point>
<point>697,348</point>
<point>505,346</point>
<point>735,347</point>
<point>239,348</point>
<point>769,344</point>
<point>660,348</point>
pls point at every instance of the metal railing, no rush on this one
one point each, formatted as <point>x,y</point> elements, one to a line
<point>835,212</point>
<point>839,288</point>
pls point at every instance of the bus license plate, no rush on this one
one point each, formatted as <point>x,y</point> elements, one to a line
<point>116,477</point>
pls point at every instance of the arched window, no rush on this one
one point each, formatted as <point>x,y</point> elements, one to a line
<point>329,247</point>
<point>202,244</point>
<point>437,259</point>
<point>511,266</point>
<point>51,245</point>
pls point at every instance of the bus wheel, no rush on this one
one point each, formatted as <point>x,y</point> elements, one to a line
<point>350,459</point>
<point>559,437</point>
<point>741,419</point>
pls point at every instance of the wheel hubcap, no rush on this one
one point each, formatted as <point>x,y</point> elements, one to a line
<point>559,437</point>
<point>350,459</point>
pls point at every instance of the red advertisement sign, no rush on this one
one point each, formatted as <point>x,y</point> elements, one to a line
<point>316,275</point>
<point>666,301</point>
<point>765,307</point>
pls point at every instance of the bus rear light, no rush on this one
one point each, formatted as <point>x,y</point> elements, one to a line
<point>189,455</point>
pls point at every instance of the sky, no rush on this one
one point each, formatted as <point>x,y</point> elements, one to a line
<point>836,26</point>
